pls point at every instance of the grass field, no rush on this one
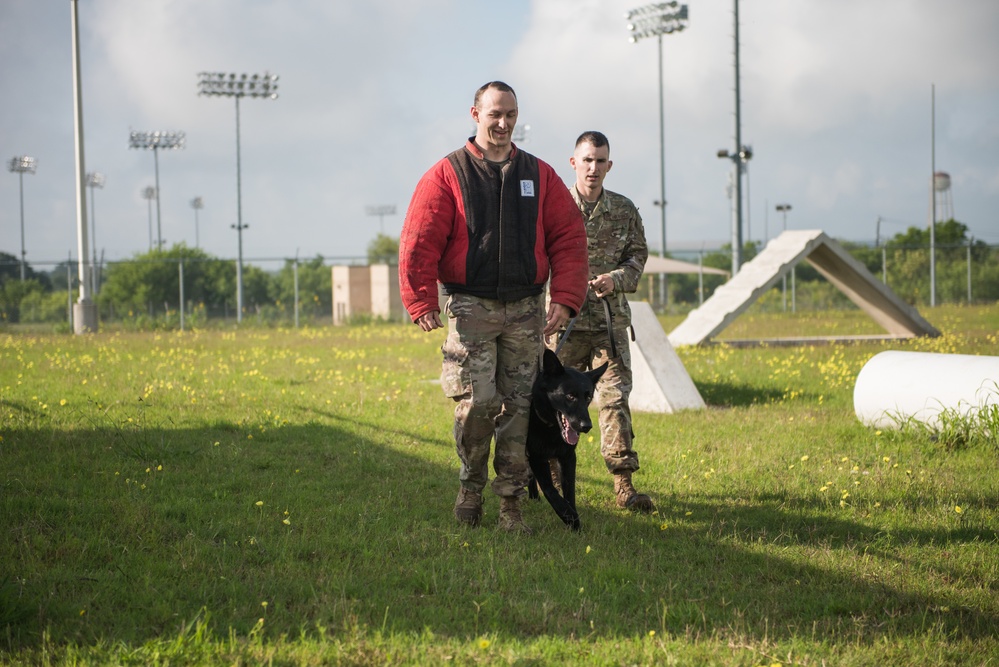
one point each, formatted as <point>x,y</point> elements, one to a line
<point>281,496</point>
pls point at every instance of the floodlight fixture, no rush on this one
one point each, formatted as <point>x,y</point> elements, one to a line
<point>236,86</point>
<point>156,141</point>
<point>21,165</point>
<point>229,84</point>
<point>381,211</point>
<point>656,20</point>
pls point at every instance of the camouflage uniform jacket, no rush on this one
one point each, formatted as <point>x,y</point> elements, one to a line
<point>616,245</point>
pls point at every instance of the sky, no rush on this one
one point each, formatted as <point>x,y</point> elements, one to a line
<point>838,101</point>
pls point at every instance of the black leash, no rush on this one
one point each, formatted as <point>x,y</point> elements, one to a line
<point>610,327</point>
<point>565,334</point>
<point>610,330</point>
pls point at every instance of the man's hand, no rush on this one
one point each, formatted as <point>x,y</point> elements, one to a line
<point>557,317</point>
<point>602,285</point>
<point>430,321</point>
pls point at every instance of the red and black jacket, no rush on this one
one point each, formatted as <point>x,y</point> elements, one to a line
<point>490,231</point>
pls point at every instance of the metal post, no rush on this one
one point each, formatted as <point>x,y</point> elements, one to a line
<point>21,164</point>
<point>231,85</point>
<point>969,270</point>
<point>155,141</point>
<point>94,180</point>
<point>148,193</point>
<point>700,278</point>
<point>180,267</point>
<point>93,241</point>
<point>736,166</point>
<point>239,226</point>
<point>197,204</point>
<point>933,194</point>
<point>663,285</point>
<point>20,182</point>
<point>69,288</point>
<point>295,271</point>
<point>794,293</point>
<point>85,320</point>
<point>783,209</point>
<point>659,19</point>
<point>159,226</point>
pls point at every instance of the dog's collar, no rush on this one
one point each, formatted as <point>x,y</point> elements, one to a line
<point>543,420</point>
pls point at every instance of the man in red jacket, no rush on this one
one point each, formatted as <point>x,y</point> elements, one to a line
<point>492,224</point>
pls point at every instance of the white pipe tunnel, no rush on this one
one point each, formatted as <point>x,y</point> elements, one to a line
<point>894,387</point>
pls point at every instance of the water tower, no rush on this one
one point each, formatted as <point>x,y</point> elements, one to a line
<point>943,198</point>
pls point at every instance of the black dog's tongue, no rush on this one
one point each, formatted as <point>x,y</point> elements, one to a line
<point>569,434</point>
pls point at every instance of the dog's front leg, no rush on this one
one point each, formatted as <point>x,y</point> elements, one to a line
<point>568,464</point>
<point>543,478</point>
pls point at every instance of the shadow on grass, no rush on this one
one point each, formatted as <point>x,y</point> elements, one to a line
<point>736,395</point>
<point>114,536</point>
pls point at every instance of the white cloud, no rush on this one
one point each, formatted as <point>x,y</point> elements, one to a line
<point>835,101</point>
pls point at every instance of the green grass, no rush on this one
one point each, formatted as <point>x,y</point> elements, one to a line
<point>285,496</point>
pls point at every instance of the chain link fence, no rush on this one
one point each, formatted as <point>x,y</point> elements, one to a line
<point>182,292</point>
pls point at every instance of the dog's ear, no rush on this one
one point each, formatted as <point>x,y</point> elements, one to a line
<point>597,372</point>
<point>550,363</point>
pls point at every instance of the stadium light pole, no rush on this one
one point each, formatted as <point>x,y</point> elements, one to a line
<point>740,161</point>
<point>656,20</point>
<point>783,208</point>
<point>221,84</point>
<point>933,195</point>
<point>197,204</point>
<point>156,141</point>
<point>21,165</point>
<point>739,157</point>
<point>84,310</point>
<point>95,179</point>
<point>149,194</point>
<point>381,212</point>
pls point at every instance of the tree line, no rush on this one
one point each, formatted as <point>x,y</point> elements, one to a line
<point>902,261</point>
<point>146,288</point>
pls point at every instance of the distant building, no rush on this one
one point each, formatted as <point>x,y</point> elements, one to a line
<point>366,291</point>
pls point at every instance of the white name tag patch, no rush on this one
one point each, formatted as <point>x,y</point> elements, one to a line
<point>527,188</point>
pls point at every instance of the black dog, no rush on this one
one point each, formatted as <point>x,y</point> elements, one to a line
<point>559,413</point>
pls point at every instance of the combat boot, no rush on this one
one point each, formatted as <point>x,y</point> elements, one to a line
<point>468,507</point>
<point>628,497</point>
<point>510,518</point>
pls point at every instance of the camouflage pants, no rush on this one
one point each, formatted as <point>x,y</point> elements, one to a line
<point>585,350</point>
<point>490,362</point>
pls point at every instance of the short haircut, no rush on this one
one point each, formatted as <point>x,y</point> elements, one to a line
<point>498,85</point>
<point>598,139</point>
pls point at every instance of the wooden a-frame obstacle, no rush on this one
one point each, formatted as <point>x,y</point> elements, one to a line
<point>781,255</point>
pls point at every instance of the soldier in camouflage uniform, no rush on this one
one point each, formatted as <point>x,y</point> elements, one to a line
<point>617,254</point>
<point>492,224</point>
